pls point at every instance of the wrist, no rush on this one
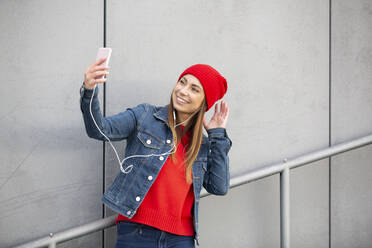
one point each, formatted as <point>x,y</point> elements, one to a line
<point>88,87</point>
<point>86,92</point>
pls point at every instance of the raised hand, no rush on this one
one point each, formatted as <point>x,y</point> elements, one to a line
<point>219,117</point>
<point>93,74</point>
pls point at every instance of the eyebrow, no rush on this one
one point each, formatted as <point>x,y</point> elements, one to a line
<point>192,84</point>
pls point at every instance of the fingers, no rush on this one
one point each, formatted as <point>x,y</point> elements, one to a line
<point>96,77</point>
<point>224,108</point>
<point>219,117</point>
<point>95,73</point>
<point>224,112</point>
<point>227,113</point>
<point>98,74</point>
<point>98,68</point>
<point>100,80</point>
<point>100,61</point>
<point>97,63</point>
<point>93,82</point>
<point>91,78</point>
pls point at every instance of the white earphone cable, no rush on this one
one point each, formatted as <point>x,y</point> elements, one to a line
<point>129,167</point>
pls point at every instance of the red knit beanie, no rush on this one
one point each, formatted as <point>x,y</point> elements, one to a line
<point>214,84</point>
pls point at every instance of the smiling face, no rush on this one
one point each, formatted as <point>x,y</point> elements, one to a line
<point>187,96</point>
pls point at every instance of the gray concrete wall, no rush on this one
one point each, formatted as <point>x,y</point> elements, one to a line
<point>276,58</point>
<point>351,191</point>
<point>51,172</point>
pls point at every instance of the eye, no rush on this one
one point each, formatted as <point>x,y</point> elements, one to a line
<point>194,89</point>
<point>181,82</point>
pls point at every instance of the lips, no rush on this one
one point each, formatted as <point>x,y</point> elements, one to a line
<point>181,100</point>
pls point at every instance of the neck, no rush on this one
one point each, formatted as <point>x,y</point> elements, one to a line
<point>182,117</point>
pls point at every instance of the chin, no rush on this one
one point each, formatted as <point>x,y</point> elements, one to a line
<point>178,108</point>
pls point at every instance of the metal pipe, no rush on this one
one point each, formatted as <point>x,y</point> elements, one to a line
<point>72,233</point>
<point>284,209</point>
<point>265,171</point>
<point>236,181</point>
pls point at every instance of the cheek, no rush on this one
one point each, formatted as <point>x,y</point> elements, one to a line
<point>174,92</point>
<point>175,89</point>
<point>173,96</point>
<point>197,99</point>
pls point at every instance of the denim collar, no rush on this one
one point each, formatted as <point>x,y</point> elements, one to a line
<point>162,114</point>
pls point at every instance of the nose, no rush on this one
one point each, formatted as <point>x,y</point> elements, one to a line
<point>183,91</point>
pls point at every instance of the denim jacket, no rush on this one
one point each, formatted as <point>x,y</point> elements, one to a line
<point>147,131</point>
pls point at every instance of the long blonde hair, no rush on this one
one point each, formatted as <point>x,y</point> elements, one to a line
<point>195,124</point>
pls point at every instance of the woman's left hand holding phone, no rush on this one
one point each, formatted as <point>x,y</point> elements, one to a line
<point>94,74</point>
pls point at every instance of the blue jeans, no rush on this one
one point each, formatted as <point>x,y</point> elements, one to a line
<point>137,235</point>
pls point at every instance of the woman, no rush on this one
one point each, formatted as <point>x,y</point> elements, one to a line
<point>157,196</point>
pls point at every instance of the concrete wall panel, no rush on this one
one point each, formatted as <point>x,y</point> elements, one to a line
<point>351,192</point>
<point>50,173</point>
<point>275,58</point>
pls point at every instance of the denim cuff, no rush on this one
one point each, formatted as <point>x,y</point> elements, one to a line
<point>89,92</point>
<point>217,132</point>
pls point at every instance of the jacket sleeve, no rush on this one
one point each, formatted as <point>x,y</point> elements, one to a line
<point>116,127</point>
<point>217,176</point>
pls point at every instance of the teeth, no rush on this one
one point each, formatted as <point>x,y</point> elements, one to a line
<point>179,99</point>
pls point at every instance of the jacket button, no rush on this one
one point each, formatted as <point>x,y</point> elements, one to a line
<point>161,158</point>
<point>168,141</point>
<point>148,141</point>
<point>149,177</point>
<point>138,198</point>
<point>129,212</point>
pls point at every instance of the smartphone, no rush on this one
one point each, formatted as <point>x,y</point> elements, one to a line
<point>104,52</point>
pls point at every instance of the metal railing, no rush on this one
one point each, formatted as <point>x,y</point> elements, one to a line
<point>283,168</point>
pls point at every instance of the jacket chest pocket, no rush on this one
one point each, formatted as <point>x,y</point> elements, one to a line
<point>149,140</point>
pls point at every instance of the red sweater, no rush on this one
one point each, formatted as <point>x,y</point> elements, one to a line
<point>169,201</point>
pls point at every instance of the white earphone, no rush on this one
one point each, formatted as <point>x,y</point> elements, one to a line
<point>129,167</point>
